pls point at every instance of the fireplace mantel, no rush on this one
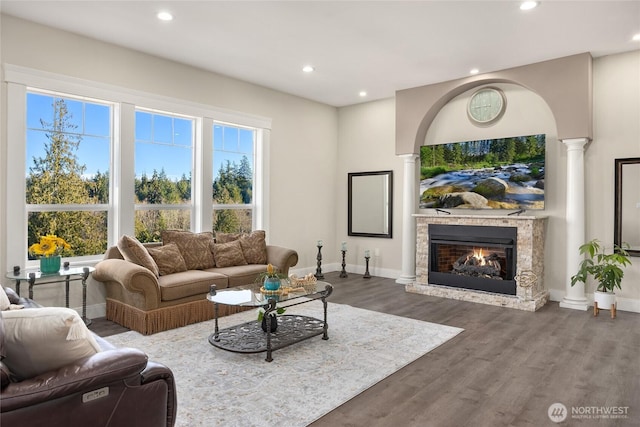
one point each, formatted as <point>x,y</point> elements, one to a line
<point>530,258</point>
<point>483,217</point>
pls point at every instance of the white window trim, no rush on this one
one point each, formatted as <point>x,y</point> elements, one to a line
<point>19,78</point>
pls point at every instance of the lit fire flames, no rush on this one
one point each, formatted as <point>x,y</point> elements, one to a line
<point>478,255</point>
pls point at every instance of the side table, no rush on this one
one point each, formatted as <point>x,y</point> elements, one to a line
<point>34,277</point>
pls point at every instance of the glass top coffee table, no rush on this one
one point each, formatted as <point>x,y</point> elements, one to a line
<point>249,337</point>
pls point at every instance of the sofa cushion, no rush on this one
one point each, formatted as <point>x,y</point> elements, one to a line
<point>227,237</point>
<point>241,274</point>
<point>194,247</point>
<point>254,247</point>
<point>189,283</point>
<point>228,254</point>
<point>168,258</point>
<point>39,340</point>
<point>134,251</point>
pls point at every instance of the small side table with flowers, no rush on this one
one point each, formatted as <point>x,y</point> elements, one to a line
<point>34,276</point>
<point>49,251</point>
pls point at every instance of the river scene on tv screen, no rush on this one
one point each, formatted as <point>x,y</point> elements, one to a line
<point>501,173</point>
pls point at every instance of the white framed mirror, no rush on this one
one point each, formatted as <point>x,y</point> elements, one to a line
<point>370,207</point>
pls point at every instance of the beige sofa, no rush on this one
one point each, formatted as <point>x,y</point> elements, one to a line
<point>148,293</point>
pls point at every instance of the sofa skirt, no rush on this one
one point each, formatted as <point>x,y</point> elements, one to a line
<point>165,318</point>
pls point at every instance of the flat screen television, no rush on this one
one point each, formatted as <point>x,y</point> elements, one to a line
<point>501,173</point>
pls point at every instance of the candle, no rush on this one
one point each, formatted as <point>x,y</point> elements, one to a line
<point>344,246</point>
<point>319,243</point>
<point>367,253</point>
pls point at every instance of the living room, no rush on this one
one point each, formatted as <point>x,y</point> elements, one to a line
<point>363,138</point>
<point>313,146</point>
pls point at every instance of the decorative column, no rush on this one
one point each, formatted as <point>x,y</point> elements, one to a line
<point>575,222</point>
<point>408,225</point>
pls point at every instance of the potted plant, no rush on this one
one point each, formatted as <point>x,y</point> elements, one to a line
<point>606,269</point>
<point>271,278</point>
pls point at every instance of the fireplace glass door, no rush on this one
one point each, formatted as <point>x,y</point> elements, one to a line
<point>473,257</point>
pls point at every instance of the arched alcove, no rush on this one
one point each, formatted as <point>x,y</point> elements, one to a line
<point>565,84</point>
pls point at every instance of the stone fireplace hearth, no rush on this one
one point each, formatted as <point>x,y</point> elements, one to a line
<point>529,257</point>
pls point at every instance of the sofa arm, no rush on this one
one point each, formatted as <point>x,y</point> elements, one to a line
<point>129,277</point>
<point>85,375</point>
<point>282,258</point>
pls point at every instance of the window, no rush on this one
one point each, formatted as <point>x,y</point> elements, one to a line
<point>91,162</point>
<point>163,174</point>
<point>68,143</point>
<point>233,182</point>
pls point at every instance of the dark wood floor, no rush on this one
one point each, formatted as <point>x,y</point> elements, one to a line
<point>505,369</point>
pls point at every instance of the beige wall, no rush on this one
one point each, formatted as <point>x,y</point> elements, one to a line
<point>303,148</point>
<point>616,128</point>
<point>366,135</point>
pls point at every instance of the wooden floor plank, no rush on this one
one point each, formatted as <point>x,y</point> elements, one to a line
<point>505,369</point>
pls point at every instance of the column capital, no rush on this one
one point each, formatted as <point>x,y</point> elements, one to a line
<point>575,143</point>
<point>409,157</point>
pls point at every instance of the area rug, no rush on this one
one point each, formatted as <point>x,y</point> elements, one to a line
<point>305,380</point>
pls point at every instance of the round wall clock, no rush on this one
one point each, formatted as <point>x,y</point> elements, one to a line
<point>486,105</point>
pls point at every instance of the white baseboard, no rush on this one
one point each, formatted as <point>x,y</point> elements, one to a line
<point>357,269</point>
<point>93,310</point>
<point>624,304</point>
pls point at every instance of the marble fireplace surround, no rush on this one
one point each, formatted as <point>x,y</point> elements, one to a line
<point>530,257</point>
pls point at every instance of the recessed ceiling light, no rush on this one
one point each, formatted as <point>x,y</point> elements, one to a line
<point>308,69</point>
<point>362,93</point>
<point>528,5</point>
<point>474,71</point>
<point>636,38</point>
<point>164,16</point>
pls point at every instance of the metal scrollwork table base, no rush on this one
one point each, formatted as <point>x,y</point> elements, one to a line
<point>250,338</point>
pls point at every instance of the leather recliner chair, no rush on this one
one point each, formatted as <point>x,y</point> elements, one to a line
<point>115,387</point>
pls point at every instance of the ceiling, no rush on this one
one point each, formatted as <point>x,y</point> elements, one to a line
<point>374,46</point>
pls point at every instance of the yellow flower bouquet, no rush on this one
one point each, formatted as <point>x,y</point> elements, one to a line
<point>49,250</point>
<point>49,245</point>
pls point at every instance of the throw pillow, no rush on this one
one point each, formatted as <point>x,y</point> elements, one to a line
<point>228,254</point>
<point>227,237</point>
<point>39,340</point>
<point>194,247</point>
<point>254,247</point>
<point>4,299</point>
<point>134,251</point>
<point>168,258</point>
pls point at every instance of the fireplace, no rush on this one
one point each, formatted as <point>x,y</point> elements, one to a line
<point>514,242</point>
<point>481,258</point>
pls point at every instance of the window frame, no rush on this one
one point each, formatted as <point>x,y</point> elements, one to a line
<point>69,207</point>
<point>121,205</point>
<point>255,221</point>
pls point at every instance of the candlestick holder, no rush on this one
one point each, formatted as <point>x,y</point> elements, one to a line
<point>343,273</point>
<point>319,274</point>
<point>366,271</point>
